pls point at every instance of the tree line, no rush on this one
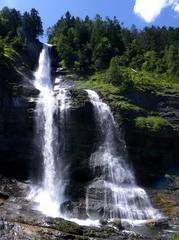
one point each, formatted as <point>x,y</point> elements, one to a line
<point>88,45</point>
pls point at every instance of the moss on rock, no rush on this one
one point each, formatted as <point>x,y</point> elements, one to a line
<point>152,123</point>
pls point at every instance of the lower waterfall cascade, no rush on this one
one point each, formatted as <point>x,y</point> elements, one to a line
<point>123,198</point>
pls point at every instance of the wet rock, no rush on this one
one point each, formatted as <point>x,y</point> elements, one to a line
<point>158,223</point>
<point>96,193</point>
<point>173,182</point>
<point>20,221</point>
<point>167,201</point>
<point>78,97</point>
<point>117,223</point>
<point>103,221</point>
<point>72,209</point>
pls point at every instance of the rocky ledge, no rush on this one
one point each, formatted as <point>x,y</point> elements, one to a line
<point>19,220</point>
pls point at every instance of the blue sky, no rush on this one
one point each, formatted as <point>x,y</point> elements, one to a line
<point>140,12</point>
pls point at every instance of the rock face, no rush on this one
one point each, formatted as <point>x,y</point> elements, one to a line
<point>152,154</point>
<point>166,106</point>
<point>81,135</point>
<point>17,120</point>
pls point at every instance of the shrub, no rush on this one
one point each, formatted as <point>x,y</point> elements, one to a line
<point>152,122</point>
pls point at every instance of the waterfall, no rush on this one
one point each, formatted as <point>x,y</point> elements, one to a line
<point>122,198</point>
<point>49,194</point>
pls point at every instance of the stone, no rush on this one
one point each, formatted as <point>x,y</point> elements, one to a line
<point>158,223</point>
<point>173,182</point>
<point>117,223</point>
<point>103,221</point>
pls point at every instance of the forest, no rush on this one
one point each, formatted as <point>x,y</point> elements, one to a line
<point>89,45</point>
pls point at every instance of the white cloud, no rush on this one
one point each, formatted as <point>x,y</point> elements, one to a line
<point>149,10</point>
<point>176,8</point>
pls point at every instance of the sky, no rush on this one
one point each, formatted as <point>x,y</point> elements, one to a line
<point>139,12</point>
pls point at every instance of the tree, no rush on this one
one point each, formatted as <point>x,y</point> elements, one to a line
<point>102,53</point>
<point>10,20</point>
<point>31,25</point>
<point>115,76</point>
<point>171,59</point>
<point>150,61</point>
<point>37,23</point>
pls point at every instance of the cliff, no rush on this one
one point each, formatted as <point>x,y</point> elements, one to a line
<point>16,113</point>
<point>148,125</point>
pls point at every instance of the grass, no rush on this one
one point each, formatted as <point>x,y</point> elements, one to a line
<point>153,123</point>
<point>98,82</point>
<point>158,84</point>
<point>140,81</point>
<point>125,106</point>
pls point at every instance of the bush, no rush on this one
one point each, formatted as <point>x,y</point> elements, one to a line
<point>153,123</point>
<point>114,73</point>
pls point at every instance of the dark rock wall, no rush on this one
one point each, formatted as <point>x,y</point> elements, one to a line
<point>16,136</point>
<point>153,154</point>
<point>81,134</point>
<point>17,93</point>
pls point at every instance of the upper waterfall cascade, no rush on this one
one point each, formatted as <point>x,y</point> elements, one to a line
<point>125,199</point>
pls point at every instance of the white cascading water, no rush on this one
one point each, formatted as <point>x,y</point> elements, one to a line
<point>64,103</point>
<point>128,201</point>
<point>50,194</point>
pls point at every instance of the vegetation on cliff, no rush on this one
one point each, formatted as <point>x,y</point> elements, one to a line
<point>17,32</point>
<point>19,48</point>
<point>119,61</point>
<point>152,122</point>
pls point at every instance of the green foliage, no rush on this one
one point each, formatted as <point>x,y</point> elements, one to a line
<point>152,123</point>
<point>150,61</point>
<point>17,44</point>
<point>16,32</point>
<point>115,76</point>
<point>31,25</point>
<point>138,81</point>
<point>86,45</point>
<point>98,81</point>
<point>10,20</point>
<point>90,45</point>
<point>7,54</point>
<point>15,27</point>
<point>175,237</point>
<point>126,106</point>
<point>118,76</point>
